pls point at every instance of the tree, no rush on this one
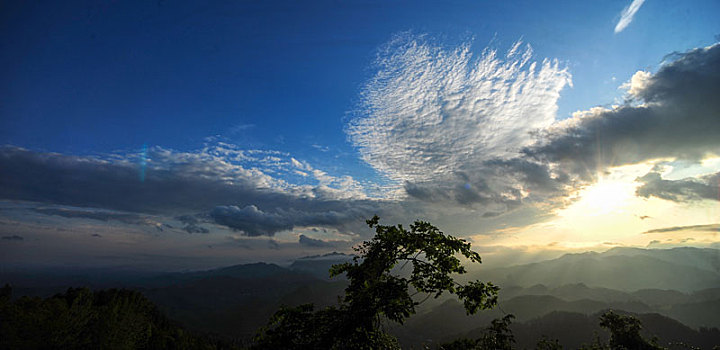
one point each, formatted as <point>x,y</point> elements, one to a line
<point>625,332</point>
<point>497,336</point>
<point>548,344</point>
<point>378,291</point>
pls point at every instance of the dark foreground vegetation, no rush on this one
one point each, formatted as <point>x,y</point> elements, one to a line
<point>392,275</point>
<point>83,319</point>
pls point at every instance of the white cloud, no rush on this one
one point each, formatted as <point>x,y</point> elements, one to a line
<point>627,15</point>
<point>432,112</point>
<point>637,83</point>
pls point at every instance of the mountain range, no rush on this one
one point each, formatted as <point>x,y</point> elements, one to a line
<point>677,288</point>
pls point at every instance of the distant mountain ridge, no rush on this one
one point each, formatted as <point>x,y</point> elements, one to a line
<point>319,265</point>
<point>628,269</point>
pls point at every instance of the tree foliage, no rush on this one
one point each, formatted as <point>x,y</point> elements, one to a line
<point>548,344</point>
<point>624,335</point>
<point>380,289</point>
<point>83,319</point>
<point>625,332</point>
<point>497,336</point>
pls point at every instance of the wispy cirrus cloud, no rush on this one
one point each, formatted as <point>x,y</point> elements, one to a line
<point>627,14</point>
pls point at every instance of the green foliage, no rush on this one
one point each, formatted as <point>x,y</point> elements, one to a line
<point>376,292</point>
<point>82,319</point>
<point>497,336</point>
<point>302,327</point>
<point>625,332</point>
<point>597,344</point>
<point>546,344</point>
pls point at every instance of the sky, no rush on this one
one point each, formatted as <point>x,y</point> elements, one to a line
<point>186,135</point>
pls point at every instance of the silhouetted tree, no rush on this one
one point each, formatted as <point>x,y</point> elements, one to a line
<point>625,332</point>
<point>377,292</point>
<point>497,336</point>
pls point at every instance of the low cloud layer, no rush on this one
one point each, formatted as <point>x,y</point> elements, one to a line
<point>708,228</point>
<point>101,215</point>
<point>684,190</point>
<point>13,238</point>
<point>255,222</point>
<point>319,243</point>
<point>211,181</point>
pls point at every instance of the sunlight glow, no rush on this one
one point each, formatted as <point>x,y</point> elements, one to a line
<point>608,213</point>
<point>604,197</point>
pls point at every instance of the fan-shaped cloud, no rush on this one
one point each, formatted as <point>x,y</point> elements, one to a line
<point>432,117</point>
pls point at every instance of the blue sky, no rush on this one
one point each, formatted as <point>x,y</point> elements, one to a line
<point>84,77</point>
<point>289,81</point>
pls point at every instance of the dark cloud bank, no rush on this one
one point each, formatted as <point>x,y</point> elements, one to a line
<point>684,190</point>
<point>101,215</point>
<point>679,117</point>
<point>181,185</point>
<point>13,238</point>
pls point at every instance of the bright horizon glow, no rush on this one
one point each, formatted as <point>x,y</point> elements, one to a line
<point>608,214</point>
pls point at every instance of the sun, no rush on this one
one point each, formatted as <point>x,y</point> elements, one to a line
<point>602,198</point>
<point>605,197</point>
